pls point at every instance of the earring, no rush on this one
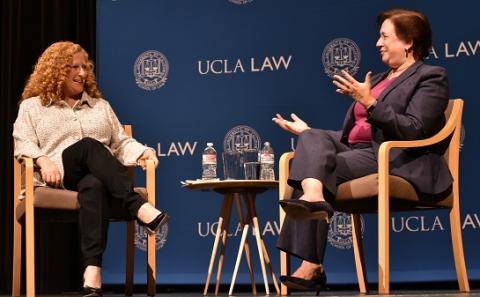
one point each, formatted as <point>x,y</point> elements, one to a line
<point>406,53</point>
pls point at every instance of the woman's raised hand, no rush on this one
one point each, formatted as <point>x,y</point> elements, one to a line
<point>296,126</point>
<point>360,92</point>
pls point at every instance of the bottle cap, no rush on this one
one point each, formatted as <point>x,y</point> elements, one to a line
<point>209,143</point>
<point>266,143</point>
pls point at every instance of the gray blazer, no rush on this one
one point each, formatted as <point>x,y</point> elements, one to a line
<point>412,107</point>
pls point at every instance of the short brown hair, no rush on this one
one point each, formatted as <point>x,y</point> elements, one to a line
<point>410,25</point>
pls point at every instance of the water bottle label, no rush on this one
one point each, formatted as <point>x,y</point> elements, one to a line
<point>209,159</point>
<point>267,158</point>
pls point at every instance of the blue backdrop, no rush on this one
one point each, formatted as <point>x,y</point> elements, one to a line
<point>186,72</point>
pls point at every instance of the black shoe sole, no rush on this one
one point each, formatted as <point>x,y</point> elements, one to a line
<point>92,292</point>
<point>300,284</point>
<point>304,210</point>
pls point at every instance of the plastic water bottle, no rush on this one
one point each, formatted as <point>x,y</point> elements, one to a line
<point>209,162</point>
<point>267,162</point>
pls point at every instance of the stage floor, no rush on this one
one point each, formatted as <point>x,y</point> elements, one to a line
<point>324,293</point>
<point>330,293</point>
<point>437,289</point>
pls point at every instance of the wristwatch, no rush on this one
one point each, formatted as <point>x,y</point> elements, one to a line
<point>371,107</point>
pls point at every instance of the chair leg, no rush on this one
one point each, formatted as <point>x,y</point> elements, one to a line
<point>30,231</point>
<point>383,235</point>
<point>17,257</point>
<point>130,258</point>
<point>151,265</point>
<point>457,244</point>
<point>358,252</point>
<point>17,232</point>
<point>285,262</point>
<point>151,246</point>
<point>30,250</point>
<point>284,270</point>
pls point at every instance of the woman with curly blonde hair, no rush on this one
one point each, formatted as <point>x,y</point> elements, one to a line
<point>78,143</point>
<point>51,71</point>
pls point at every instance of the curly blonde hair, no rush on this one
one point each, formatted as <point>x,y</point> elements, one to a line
<point>51,71</point>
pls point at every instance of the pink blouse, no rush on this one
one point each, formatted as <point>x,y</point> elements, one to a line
<point>361,131</point>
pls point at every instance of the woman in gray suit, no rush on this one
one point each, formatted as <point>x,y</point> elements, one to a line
<point>406,102</point>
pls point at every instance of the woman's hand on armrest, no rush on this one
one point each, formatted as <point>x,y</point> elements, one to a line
<point>49,171</point>
<point>149,154</point>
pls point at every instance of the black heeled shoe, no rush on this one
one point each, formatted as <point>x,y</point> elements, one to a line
<point>92,292</point>
<point>316,284</point>
<point>305,210</point>
<point>156,223</point>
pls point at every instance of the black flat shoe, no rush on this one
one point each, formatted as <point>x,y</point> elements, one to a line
<point>92,292</point>
<point>305,210</point>
<point>299,284</point>
<point>156,223</point>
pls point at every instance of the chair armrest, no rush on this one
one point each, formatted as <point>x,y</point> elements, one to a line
<point>27,164</point>
<point>451,127</point>
<point>285,191</point>
<point>24,161</point>
<point>443,134</point>
<point>446,131</point>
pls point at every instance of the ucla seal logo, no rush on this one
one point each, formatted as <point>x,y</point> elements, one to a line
<point>240,138</point>
<point>141,237</point>
<point>151,70</point>
<point>340,233</point>
<point>240,2</point>
<point>341,54</point>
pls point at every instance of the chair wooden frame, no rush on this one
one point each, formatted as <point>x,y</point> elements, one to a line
<point>452,127</point>
<point>28,165</point>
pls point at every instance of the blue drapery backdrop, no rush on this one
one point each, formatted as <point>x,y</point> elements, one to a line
<point>187,72</point>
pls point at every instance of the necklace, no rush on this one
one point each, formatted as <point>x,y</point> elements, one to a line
<point>394,74</point>
<point>398,71</point>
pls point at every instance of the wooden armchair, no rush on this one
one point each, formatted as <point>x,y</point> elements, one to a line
<point>65,200</point>
<point>382,193</point>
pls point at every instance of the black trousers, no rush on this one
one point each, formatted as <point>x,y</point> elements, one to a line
<point>98,177</point>
<point>320,154</point>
